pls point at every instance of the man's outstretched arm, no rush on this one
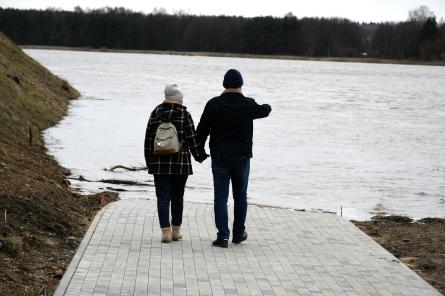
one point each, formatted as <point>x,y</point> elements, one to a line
<point>260,111</point>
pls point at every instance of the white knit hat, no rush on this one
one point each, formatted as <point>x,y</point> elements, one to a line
<point>172,92</point>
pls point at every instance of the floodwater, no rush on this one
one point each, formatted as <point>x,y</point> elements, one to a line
<point>368,138</point>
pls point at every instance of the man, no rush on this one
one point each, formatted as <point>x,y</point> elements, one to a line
<point>228,119</point>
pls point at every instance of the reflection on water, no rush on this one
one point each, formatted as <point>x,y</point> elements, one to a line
<point>359,136</point>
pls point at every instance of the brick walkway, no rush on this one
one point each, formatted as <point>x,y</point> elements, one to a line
<point>287,253</point>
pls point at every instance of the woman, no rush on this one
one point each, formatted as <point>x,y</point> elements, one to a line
<point>171,171</point>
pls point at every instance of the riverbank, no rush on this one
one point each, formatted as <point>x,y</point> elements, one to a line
<point>250,56</point>
<point>418,244</point>
<point>42,222</point>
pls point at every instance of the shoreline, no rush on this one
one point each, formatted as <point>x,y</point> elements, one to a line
<point>241,55</point>
<point>429,266</point>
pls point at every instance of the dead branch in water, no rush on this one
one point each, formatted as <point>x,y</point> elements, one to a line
<point>112,181</point>
<point>125,168</point>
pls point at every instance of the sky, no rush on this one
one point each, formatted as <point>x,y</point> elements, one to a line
<point>356,10</point>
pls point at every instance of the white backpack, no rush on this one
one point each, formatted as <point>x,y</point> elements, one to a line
<point>166,140</point>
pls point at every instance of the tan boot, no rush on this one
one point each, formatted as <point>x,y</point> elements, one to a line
<point>176,233</point>
<point>166,235</point>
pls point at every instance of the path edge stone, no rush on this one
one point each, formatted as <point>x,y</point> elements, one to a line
<point>72,266</point>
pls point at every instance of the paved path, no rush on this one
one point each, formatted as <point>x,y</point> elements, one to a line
<point>287,253</point>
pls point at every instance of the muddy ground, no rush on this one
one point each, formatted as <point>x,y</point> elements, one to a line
<point>420,244</point>
<point>41,221</point>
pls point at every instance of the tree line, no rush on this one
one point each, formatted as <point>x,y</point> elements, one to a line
<point>420,37</point>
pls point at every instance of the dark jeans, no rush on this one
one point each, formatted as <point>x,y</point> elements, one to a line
<point>170,188</point>
<point>226,170</point>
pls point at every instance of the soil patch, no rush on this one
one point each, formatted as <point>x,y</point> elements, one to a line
<point>420,244</point>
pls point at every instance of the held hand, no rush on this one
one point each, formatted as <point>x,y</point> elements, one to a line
<point>202,158</point>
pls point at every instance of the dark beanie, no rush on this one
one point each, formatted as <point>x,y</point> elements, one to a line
<point>233,79</point>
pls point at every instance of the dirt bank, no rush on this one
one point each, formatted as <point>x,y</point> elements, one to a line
<point>420,245</point>
<point>41,220</point>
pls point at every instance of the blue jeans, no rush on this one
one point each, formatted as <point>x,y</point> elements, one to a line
<point>170,189</point>
<point>226,170</point>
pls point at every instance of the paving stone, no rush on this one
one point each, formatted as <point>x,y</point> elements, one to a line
<point>287,253</point>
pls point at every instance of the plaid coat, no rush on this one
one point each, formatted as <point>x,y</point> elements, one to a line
<point>180,163</point>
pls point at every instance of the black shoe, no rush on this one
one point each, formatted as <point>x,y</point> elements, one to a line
<point>222,243</point>
<point>241,239</point>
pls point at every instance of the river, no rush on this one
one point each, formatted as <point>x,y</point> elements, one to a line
<point>368,138</point>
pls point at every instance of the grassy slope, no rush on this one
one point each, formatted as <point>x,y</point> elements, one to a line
<point>40,99</point>
<point>44,219</point>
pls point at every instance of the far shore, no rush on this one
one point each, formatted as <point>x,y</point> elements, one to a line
<point>241,55</point>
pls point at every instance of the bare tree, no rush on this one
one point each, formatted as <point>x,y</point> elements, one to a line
<point>159,11</point>
<point>78,9</point>
<point>420,14</point>
<point>182,12</point>
<point>289,15</point>
<point>53,8</point>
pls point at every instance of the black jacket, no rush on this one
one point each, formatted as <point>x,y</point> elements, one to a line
<point>180,163</point>
<point>229,121</point>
